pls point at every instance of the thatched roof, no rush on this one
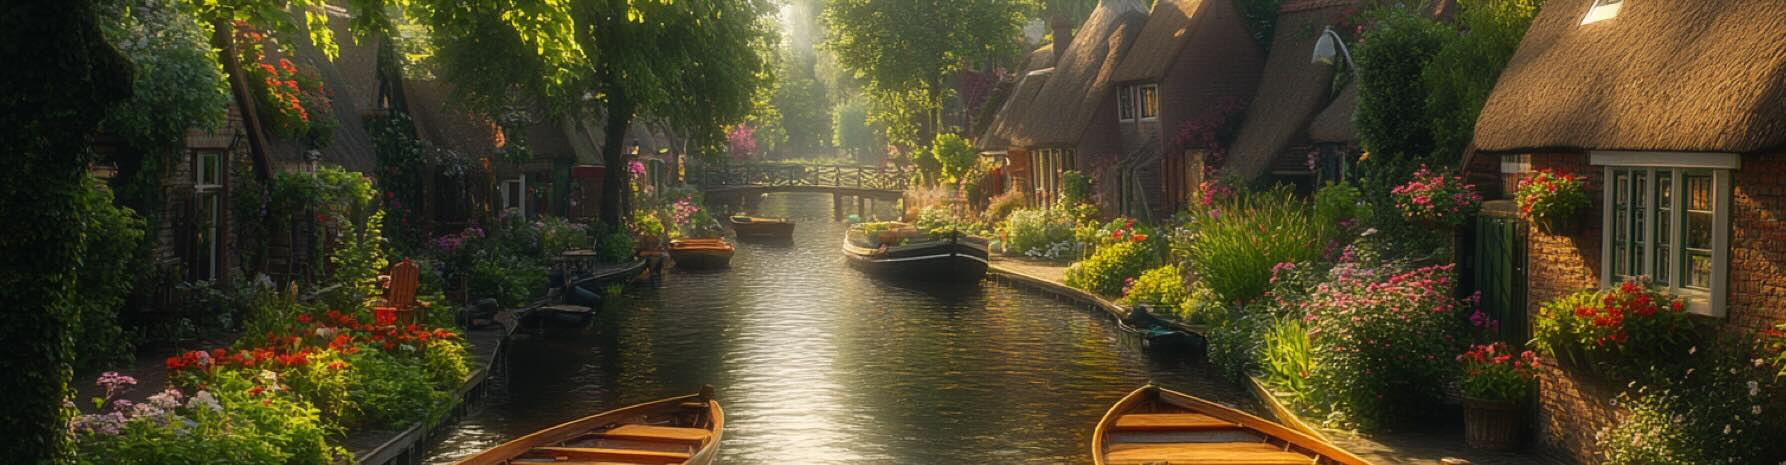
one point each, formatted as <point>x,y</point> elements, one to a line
<point>1036,70</point>
<point>1291,91</point>
<point>353,77</point>
<point>1082,77</point>
<point>1335,124</point>
<point>1023,98</point>
<point>447,126</point>
<point>1167,31</point>
<point>1703,75</point>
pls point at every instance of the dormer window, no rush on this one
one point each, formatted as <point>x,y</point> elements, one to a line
<point>1602,10</point>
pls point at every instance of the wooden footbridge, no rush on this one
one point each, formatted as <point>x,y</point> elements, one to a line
<point>873,183</point>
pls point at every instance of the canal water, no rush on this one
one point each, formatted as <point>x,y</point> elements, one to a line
<point>816,363</point>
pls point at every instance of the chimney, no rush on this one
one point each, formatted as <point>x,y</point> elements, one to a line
<point>1063,37</point>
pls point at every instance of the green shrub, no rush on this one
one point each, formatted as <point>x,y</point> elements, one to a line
<point>939,220</point>
<point>512,280</point>
<point>1239,242</point>
<point>1003,205</point>
<point>1162,287</point>
<point>445,363</point>
<point>1039,234</point>
<point>1235,339</point>
<point>1075,188</point>
<point>1724,411</point>
<point>390,391</point>
<point>106,275</point>
<point>558,235</point>
<point>1111,268</point>
<point>1288,358</point>
<point>1338,204</point>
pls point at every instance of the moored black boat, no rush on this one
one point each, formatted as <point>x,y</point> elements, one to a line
<point>762,228</point>
<point>898,250</point>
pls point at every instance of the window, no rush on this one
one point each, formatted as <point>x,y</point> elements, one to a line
<point>1125,103</point>
<point>1602,10</point>
<point>207,184</point>
<point>1149,96</point>
<point>514,195</point>
<point>1669,222</point>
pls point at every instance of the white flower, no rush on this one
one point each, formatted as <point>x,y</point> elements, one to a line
<point>1755,409</point>
<point>1726,429</point>
<point>204,400</point>
<point>1692,350</point>
<point>1754,388</point>
<point>1758,362</point>
<point>166,399</point>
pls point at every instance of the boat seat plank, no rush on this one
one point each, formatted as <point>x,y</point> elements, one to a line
<point>620,455</point>
<point>1171,422</point>
<point>657,433</point>
<point>1252,453</point>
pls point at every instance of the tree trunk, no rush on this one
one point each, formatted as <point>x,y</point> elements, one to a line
<point>616,178</point>
<point>223,37</point>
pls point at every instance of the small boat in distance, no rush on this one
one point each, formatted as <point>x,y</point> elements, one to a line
<point>760,227</point>
<point>701,253</point>
<point>679,430</point>
<point>1155,425</point>
<point>898,249</point>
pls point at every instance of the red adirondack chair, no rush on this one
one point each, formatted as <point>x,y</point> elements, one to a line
<point>399,305</point>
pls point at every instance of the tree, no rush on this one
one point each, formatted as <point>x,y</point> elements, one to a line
<point>850,130</point>
<point>1463,72</point>
<point>903,50</point>
<point>805,111</point>
<point>66,77</point>
<point>695,64</point>
<point>953,157</point>
<point>1391,119</point>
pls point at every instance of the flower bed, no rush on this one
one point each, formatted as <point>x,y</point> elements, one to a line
<point>1383,341</point>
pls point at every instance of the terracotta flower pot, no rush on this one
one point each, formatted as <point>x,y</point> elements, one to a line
<point>1494,425</point>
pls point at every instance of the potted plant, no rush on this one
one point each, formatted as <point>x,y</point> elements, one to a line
<point>1552,200</point>
<point>1496,383</point>
<point>650,230</point>
<point>1436,199</point>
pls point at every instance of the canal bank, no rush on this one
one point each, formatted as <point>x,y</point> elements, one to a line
<point>818,363</point>
<point>1434,446</point>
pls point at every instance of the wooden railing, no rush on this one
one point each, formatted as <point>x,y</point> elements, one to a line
<point>830,176</point>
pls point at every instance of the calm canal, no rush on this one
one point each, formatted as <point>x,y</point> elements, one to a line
<point>817,363</point>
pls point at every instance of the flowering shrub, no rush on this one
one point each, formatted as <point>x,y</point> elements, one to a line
<point>220,423</point>
<point>294,100</point>
<point>1046,233</point>
<point>1550,195</point>
<point>1773,341</point>
<point>1238,242</point>
<point>1436,198</point>
<point>1162,287</point>
<point>1383,341</point>
<point>1629,327</point>
<point>646,224</point>
<point>1724,411</point>
<point>558,235</point>
<point>1112,267</point>
<point>1493,372</point>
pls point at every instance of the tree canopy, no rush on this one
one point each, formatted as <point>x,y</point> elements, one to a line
<point>903,51</point>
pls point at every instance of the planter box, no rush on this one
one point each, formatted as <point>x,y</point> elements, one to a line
<point>1493,425</point>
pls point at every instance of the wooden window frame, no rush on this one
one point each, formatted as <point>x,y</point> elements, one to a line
<point>1126,103</point>
<point>1143,105</point>
<point>1711,301</point>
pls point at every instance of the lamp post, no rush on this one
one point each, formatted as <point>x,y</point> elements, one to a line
<point>1330,48</point>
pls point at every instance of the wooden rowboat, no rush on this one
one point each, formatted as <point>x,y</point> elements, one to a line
<point>751,226</point>
<point>679,430</point>
<point>701,253</point>
<point>1153,425</point>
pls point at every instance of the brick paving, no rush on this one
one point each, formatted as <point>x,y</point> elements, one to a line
<point>1440,446</point>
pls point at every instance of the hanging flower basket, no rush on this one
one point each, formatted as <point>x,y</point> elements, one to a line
<point>1553,201</point>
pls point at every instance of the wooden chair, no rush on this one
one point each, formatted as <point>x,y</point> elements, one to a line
<point>399,304</point>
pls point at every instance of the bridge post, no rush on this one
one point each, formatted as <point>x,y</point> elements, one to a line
<point>837,205</point>
<point>859,211</point>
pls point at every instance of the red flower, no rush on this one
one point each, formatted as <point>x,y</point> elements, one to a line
<point>303,318</point>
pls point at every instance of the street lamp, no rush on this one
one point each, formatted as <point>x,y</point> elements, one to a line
<point>1330,48</point>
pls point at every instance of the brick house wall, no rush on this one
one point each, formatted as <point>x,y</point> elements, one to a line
<point>1574,406</point>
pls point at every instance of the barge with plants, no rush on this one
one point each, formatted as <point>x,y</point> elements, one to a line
<point>901,250</point>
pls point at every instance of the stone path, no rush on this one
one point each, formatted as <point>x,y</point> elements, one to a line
<point>1440,446</point>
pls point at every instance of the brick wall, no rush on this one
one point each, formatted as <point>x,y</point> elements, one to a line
<point>1574,406</point>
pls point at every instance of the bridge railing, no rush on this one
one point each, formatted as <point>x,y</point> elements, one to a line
<point>820,176</point>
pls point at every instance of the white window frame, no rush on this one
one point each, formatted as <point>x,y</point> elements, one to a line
<point>207,185</point>
<point>514,189</point>
<point>1678,165</point>
<point>1141,103</point>
<point>1601,10</point>
<point>1127,103</point>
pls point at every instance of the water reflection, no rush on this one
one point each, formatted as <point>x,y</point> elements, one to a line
<point>817,363</point>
